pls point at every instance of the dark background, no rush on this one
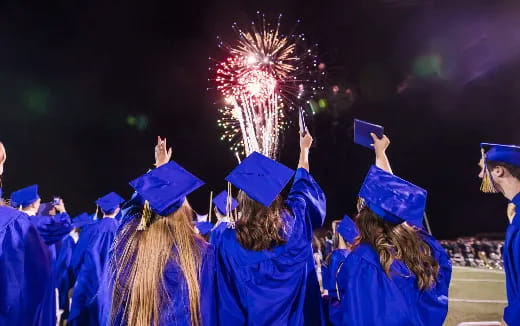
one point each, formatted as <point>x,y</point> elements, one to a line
<point>86,86</point>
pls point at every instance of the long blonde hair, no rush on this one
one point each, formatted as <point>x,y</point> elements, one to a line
<point>397,241</point>
<point>138,262</point>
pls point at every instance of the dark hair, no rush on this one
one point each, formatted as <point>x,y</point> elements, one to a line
<point>259,227</point>
<point>397,241</point>
<point>513,169</point>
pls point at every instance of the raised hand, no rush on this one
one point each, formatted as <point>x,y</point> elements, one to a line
<point>162,155</point>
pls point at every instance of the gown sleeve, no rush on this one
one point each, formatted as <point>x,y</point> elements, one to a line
<point>307,201</point>
<point>53,229</point>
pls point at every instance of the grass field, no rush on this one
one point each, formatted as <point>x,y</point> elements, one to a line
<point>476,295</point>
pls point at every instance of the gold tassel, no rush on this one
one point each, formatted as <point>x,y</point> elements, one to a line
<point>146,216</point>
<point>511,212</point>
<point>487,185</point>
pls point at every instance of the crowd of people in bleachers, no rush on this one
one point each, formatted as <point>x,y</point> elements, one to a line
<point>474,252</point>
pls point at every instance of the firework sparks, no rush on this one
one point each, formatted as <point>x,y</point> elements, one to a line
<point>264,74</point>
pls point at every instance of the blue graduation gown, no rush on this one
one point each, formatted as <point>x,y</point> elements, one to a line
<point>271,287</point>
<point>336,260</point>
<point>216,233</point>
<point>512,267</point>
<point>89,261</point>
<point>52,228</point>
<point>369,297</point>
<point>25,277</point>
<point>63,271</point>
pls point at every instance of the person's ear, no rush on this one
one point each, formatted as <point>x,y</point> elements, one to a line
<point>498,171</point>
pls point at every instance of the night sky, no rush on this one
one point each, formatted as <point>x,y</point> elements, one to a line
<point>86,86</point>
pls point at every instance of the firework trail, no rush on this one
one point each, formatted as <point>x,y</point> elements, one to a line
<point>264,74</point>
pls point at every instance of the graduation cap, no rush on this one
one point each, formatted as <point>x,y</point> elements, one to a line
<point>509,154</point>
<point>220,201</point>
<point>109,202</point>
<point>362,130</point>
<point>260,177</point>
<point>166,187</point>
<point>347,229</point>
<point>25,196</point>
<point>44,209</point>
<point>81,220</point>
<point>204,227</point>
<point>392,198</point>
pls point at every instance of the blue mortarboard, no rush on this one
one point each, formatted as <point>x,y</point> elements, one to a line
<point>25,196</point>
<point>502,153</point>
<point>347,228</point>
<point>392,198</point>
<point>44,209</point>
<point>260,177</point>
<point>362,130</point>
<point>110,202</point>
<point>509,154</point>
<point>81,220</point>
<point>220,201</point>
<point>166,187</point>
<point>204,227</point>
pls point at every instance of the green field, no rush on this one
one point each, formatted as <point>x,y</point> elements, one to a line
<point>476,295</point>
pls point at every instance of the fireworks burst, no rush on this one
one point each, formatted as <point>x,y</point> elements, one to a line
<point>264,74</point>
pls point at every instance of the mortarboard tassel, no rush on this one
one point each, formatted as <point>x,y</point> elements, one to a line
<point>511,212</point>
<point>487,186</point>
<point>145,217</point>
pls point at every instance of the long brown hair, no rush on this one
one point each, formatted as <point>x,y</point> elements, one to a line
<point>259,227</point>
<point>397,241</point>
<point>139,260</point>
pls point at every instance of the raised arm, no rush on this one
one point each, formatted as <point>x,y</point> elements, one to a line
<point>306,197</point>
<point>380,146</point>
<point>305,145</point>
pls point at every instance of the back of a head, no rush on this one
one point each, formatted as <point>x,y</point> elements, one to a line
<point>397,241</point>
<point>259,227</point>
<point>140,257</point>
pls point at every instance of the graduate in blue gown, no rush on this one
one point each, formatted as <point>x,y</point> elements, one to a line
<point>265,264</point>
<point>63,271</point>
<point>345,232</point>
<point>395,274</point>
<point>52,228</point>
<point>500,172</point>
<point>26,273</point>
<point>162,272</point>
<point>204,229</point>
<point>90,260</point>
<point>225,212</point>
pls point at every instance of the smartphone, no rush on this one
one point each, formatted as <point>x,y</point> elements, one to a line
<point>56,201</point>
